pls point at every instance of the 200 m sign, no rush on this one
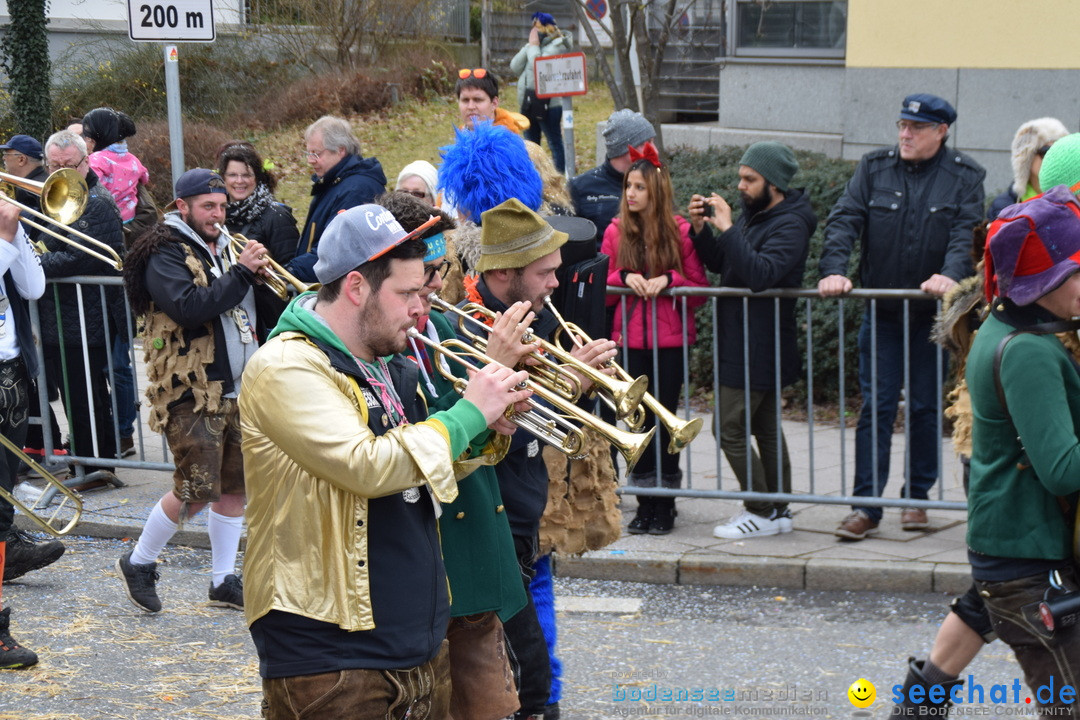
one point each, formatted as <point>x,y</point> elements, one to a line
<point>177,21</point>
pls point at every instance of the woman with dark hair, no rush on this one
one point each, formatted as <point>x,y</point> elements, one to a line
<point>650,250</point>
<point>253,211</point>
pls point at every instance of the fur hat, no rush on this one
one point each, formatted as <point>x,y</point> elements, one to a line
<point>1031,136</point>
<point>488,165</point>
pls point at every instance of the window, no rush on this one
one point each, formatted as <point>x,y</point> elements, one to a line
<point>791,28</point>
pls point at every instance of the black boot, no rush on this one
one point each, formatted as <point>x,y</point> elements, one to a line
<point>644,517</point>
<point>12,654</point>
<point>663,519</point>
<point>926,708</point>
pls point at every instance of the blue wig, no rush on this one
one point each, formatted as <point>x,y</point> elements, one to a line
<point>486,166</point>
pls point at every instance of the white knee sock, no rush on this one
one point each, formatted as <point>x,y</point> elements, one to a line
<point>224,543</point>
<point>158,530</point>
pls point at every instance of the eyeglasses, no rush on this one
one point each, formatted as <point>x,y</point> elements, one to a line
<point>478,73</point>
<point>1041,152</point>
<point>233,177</point>
<point>415,193</point>
<point>53,167</point>
<point>312,155</point>
<point>430,270</point>
<point>915,127</point>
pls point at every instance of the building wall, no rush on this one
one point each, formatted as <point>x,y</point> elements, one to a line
<point>846,111</point>
<point>960,50</point>
<point>984,34</point>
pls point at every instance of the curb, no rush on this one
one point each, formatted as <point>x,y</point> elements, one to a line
<point>814,574</point>
<point>666,568</point>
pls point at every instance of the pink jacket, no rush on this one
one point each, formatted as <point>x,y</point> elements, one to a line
<point>121,173</point>
<point>669,329</point>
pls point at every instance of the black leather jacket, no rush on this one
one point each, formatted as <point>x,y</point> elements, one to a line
<point>912,219</point>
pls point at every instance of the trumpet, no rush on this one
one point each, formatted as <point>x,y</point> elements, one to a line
<point>625,392</point>
<point>278,278</point>
<point>49,523</point>
<point>554,425</point>
<point>63,200</point>
<point>682,432</point>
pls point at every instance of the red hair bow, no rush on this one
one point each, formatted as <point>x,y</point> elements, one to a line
<point>648,152</point>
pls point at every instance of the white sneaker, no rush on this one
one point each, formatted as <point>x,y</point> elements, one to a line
<point>785,521</point>
<point>747,525</point>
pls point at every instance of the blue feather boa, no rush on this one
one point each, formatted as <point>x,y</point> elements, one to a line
<point>485,167</point>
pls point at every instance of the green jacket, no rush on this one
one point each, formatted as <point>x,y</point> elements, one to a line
<point>1020,466</point>
<point>478,550</point>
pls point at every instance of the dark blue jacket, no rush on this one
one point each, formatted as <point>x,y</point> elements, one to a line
<point>353,181</point>
<point>596,195</point>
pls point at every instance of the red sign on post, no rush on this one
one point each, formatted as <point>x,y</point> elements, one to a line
<point>560,75</point>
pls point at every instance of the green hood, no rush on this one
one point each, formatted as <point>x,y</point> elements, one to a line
<point>299,318</point>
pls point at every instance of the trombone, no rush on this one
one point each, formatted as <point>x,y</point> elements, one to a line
<point>551,424</point>
<point>50,522</point>
<point>63,200</point>
<point>682,432</point>
<point>626,393</point>
<point>278,278</point>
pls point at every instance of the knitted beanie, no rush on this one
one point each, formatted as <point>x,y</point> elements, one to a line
<point>773,161</point>
<point>426,172</point>
<point>1061,166</point>
<point>626,128</point>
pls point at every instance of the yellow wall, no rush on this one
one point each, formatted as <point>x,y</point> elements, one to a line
<point>1035,34</point>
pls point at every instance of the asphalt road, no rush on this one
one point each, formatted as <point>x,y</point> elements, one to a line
<point>725,651</point>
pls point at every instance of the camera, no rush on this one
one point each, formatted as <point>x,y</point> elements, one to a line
<point>707,209</point>
<point>1060,612</point>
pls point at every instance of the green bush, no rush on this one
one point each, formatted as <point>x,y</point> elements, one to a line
<point>824,178</point>
<point>217,80</point>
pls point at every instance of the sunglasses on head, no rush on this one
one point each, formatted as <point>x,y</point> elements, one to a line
<point>478,73</point>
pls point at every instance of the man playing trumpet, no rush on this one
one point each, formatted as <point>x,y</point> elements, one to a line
<point>200,333</point>
<point>519,254</point>
<point>347,596</point>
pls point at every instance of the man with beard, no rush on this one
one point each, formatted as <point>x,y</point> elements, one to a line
<point>519,254</point>
<point>913,208</point>
<point>347,598</point>
<point>765,248</point>
<point>200,332</point>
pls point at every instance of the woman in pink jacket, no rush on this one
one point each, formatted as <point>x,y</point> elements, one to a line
<point>650,250</point>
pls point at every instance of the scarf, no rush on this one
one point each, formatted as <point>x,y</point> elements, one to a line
<point>251,208</point>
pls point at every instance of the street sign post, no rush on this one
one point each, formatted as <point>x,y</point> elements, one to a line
<point>563,76</point>
<point>172,21</point>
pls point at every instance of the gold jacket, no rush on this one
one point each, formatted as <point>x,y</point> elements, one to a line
<point>311,462</point>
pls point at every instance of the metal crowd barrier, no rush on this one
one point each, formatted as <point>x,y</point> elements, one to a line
<point>806,486</point>
<point>152,451</point>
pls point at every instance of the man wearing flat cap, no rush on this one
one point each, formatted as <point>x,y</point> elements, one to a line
<point>912,209</point>
<point>519,254</point>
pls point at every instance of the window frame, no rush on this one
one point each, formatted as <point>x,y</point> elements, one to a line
<point>738,51</point>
